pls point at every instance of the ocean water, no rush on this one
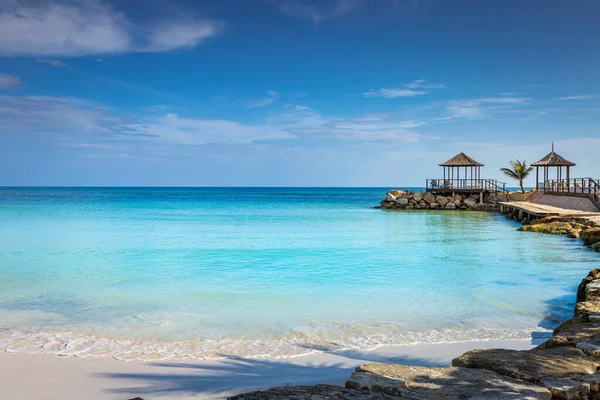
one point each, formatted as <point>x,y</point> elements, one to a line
<point>140,273</point>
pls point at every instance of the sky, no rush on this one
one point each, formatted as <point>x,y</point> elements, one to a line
<point>292,92</point>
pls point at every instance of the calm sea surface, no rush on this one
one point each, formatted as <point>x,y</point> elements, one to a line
<point>206,272</point>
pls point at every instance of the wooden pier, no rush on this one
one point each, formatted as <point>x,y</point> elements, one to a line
<point>522,209</point>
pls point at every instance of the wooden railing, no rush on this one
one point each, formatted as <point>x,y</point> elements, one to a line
<point>577,186</point>
<point>491,185</point>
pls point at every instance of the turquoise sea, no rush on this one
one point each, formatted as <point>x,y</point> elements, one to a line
<point>168,273</point>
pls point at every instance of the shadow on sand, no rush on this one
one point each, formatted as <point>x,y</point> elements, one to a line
<point>207,380</point>
<point>217,379</point>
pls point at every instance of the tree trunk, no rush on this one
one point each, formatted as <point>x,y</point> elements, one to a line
<point>522,188</point>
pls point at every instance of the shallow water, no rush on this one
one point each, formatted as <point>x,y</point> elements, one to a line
<point>201,273</point>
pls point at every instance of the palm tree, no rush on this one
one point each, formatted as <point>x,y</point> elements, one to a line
<point>519,172</point>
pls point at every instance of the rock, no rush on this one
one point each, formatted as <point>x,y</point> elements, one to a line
<point>442,201</point>
<point>418,196</point>
<point>458,203</point>
<point>423,204</point>
<point>568,389</point>
<point>591,276</point>
<point>592,291</point>
<point>586,309</point>
<point>450,206</point>
<point>434,206</point>
<point>591,236</point>
<point>428,197</point>
<point>592,350</point>
<point>402,202</point>
<point>470,203</point>
<point>574,233</point>
<point>596,246</point>
<point>575,332</point>
<point>533,365</point>
<point>319,392</point>
<point>390,197</point>
<point>379,383</point>
<point>554,228</point>
<point>449,383</point>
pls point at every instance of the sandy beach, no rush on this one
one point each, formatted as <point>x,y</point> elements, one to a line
<point>37,376</point>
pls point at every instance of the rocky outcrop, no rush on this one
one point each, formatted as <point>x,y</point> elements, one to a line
<point>591,236</point>
<point>407,200</point>
<point>319,392</point>
<point>565,367</point>
<point>554,228</point>
<point>442,383</point>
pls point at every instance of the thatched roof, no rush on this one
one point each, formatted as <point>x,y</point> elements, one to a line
<point>461,160</point>
<point>553,160</point>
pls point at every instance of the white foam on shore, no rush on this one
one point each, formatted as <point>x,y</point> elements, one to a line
<point>82,343</point>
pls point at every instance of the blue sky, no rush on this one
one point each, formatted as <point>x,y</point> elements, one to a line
<point>292,92</point>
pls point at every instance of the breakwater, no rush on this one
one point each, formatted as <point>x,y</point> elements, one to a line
<point>409,200</point>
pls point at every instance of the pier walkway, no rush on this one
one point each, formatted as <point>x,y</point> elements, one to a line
<point>534,210</point>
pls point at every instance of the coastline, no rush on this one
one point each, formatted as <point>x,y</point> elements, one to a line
<point>33,376</point>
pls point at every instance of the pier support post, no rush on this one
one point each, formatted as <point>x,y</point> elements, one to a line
<point>481,198</point>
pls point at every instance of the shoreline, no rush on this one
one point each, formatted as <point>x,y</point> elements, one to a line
<point>33,376</point>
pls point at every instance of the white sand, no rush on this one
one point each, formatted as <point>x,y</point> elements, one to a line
<point>47,377</point>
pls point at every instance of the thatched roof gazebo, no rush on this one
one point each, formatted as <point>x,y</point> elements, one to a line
<point>461,160</point>
<point>469,181</point>
<point>552,160</point>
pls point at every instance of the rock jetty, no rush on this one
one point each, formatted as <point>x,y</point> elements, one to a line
<point>409,200</point>
<point>564,367</point>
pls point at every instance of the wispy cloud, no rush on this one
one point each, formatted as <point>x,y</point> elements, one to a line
<point>578,97</point>
<point>264,101</point>
<point>65,118</point>
<point>412,89</point>
<point>423,84</point>
<point>308,123</point>
<point>54,63</point>
<point>49,28</point>
<point>315,11</point>
<point>511,94</point>
<point>480,108</point>
<point>9,81</point>
<point>393,93</point>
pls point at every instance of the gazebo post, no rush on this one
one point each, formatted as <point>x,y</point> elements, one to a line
<point>537,178</point>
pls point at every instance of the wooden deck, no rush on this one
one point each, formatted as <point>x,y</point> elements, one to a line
<point>541,210</point>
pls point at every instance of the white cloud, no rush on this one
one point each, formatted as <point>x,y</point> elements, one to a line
<point>77,28</point>
<point>264,101</point>
<point>423,84</point>
<point>181,35</point>
<point>307,123</point>
<point>412,89</point>
<point>579,97</point>
<point>9,81</point>
<point>393,93</point>
<point>480,108</point>
<point>316,11</point>
<point>53,115</point>
<point>54,63</point>
<point>188,131</point>
<point>71,117</point>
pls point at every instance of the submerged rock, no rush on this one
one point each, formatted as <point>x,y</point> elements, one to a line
<point>554,228</point>
<point>319,392</point>
<point>442,383</point>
